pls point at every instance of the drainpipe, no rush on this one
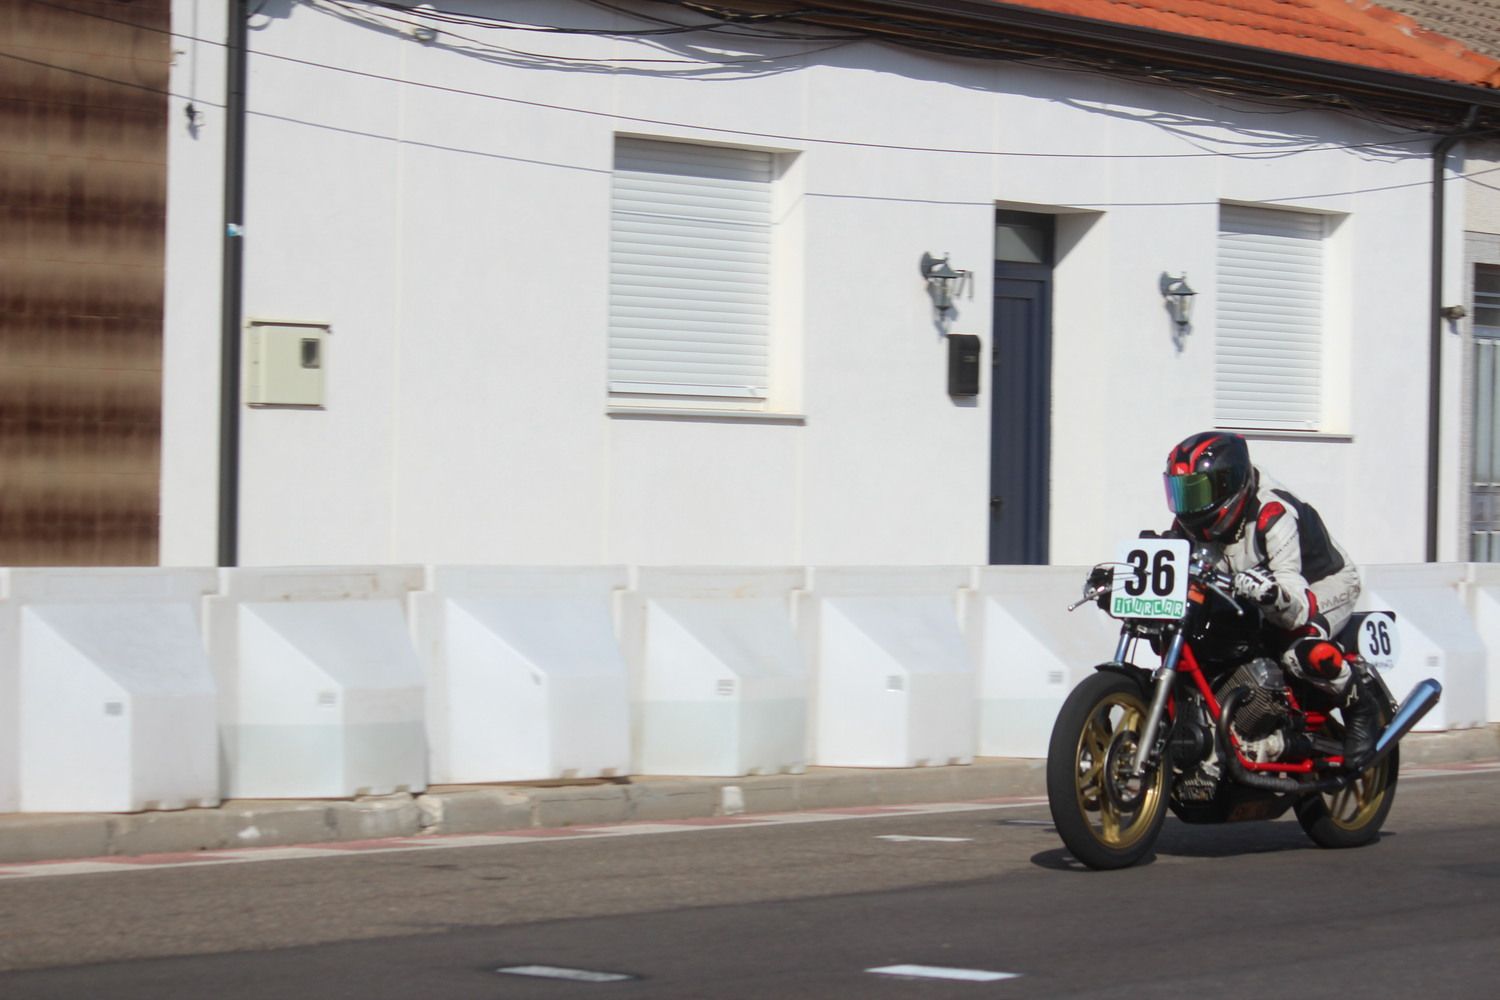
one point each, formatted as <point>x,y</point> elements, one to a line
<point>1435,334</point>
<point>232,282</point>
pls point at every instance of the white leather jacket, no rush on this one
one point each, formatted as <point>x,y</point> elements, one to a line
<point>1284,535</point>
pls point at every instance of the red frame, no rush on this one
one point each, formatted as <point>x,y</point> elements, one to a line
<point>1187,663</point>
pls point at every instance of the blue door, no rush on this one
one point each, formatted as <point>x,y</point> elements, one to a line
<point>1021,393</point>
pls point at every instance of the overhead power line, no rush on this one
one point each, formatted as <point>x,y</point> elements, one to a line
<point>1183,132</point>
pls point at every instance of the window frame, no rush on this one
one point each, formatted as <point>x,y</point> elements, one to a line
<point>646,209</point>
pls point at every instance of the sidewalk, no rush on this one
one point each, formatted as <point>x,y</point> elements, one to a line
<point>489,808</point>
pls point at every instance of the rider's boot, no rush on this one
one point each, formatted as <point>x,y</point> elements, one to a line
<point>1361,709</point>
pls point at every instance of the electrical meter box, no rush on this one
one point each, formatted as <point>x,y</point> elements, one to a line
<point>284,364</point>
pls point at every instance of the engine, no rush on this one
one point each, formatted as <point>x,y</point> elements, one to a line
<point>1262,718</point>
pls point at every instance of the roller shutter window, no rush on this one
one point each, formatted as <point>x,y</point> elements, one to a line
<point>1269,350</point>
<point>690,270</point>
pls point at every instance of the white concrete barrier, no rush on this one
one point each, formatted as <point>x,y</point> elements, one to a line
<point>1030,651</point>
<point>106,696</point>
<point>1482,599</point>
<point>719,686</point>
<point>1438,638</point>
<point>312,685</point>
<point>893,682</point>
<point>525,679</point>
<point>320,689</point>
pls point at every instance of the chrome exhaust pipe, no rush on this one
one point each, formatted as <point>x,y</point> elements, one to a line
<point>1417,704</point>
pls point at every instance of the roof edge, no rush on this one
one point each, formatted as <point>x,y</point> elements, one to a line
<point>1165,47</point>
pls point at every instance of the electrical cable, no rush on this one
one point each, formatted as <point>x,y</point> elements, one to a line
<point>1470,177</point>
<point>781,137</point>
<point>1251,89</point>
<point>670,27</point>
<point>758,135</point>
<point>356,13</point>
<point>954,40</point>
<point>820,194</point>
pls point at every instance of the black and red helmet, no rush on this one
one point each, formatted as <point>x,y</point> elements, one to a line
<point>1208,482</point>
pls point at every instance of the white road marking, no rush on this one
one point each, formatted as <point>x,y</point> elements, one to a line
<point>1448,770</point>
<point>940,972</point>
<point>557,972</point>
<point>902,838</point>
<point>502,838</point>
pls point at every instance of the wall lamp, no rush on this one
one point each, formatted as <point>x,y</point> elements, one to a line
<point>1179,296</point>
<point>944,284</point>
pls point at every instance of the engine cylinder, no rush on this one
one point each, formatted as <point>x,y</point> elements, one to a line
<point>1262,711</point>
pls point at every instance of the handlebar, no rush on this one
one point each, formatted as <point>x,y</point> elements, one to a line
<point>1205,569</point>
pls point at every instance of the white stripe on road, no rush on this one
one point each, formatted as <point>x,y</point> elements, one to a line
<point>902,838</point>
<point>940,972</point>
<point>1448,770</point>
<point>557,972</point>
<point>504,838</point>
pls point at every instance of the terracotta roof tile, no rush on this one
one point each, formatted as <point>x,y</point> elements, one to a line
<point>1358,32</point>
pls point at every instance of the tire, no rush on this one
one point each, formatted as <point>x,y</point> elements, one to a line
<point>1104,818</point>
<point>1353,817</point>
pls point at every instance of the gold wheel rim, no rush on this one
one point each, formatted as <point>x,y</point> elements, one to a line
<point>1120,819</point>
<point>1353,806</point>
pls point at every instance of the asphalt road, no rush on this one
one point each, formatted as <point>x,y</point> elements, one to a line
<point>800,910</point>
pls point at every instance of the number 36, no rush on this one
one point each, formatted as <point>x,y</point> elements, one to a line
<point>1163,572</point>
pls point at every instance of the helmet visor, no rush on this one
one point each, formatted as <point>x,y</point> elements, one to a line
<point>1189,492</point>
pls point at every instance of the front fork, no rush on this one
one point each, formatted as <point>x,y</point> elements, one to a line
<point>1164,679</point>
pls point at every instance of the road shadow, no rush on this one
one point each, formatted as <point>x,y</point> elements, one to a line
<point>1186,840</point>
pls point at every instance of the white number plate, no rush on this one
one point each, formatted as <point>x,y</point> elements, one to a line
<point>1378,641</point>
<point>1151,579</point>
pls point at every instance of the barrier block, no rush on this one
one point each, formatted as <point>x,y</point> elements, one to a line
<point>893,682</point>
<point>1482,597</point>
<point>106,690</point>
<point>320,689</point>
<point>525,679</point>
<point>719,685</point>
<point>1030,651</point>
<point>1438,638</point>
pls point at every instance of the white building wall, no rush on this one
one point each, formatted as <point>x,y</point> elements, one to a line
<point>458,247</point>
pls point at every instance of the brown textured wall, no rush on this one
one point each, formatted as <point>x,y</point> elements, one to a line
<point>83,120</point>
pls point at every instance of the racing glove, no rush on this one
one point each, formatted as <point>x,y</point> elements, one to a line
<point>1258,585</point>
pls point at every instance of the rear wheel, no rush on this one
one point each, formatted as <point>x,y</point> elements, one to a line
<point>1105,816</point>
<point>1353,816</point>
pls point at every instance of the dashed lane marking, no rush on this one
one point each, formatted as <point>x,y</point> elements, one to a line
<point>943,972</point>
<point>558,972</point>
<point>902,838</point>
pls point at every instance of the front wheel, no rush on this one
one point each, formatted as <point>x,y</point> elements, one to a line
<point>1353,816</point>
<point>1105,816</point>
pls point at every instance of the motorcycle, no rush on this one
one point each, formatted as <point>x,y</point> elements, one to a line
<point>1219,732</point>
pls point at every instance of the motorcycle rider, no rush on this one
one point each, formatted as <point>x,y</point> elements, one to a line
<point>1283,559</point>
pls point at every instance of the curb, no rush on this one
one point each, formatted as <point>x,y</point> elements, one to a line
<point>494,808</point>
